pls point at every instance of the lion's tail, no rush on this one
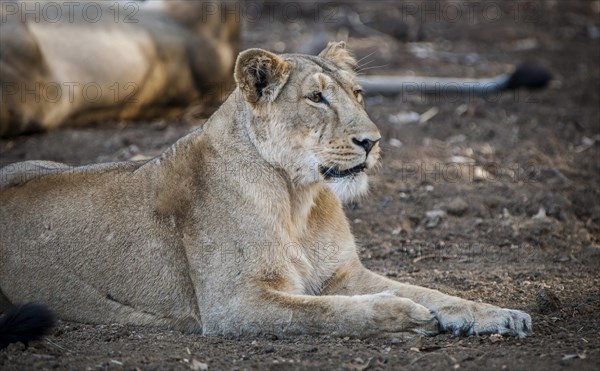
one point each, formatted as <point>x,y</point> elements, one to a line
<point>524,76</point>
<point>25,322</point>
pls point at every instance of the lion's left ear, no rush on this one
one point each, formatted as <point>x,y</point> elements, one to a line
<point>337,53</point>
<point>260,75</point>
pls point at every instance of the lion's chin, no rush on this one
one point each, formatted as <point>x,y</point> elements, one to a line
<point>349,188</point>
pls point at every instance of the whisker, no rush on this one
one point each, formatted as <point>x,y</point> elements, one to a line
<point>365,64</point>
<point>330,170</point>
<point>365,57</point>
<point>370,68</point>
<point>358,68</point>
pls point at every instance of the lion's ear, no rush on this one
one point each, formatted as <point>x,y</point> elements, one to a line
<point>260,75</point>
<point>337,53</point>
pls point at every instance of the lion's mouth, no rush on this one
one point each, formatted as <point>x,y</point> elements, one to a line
<point>334,172</point>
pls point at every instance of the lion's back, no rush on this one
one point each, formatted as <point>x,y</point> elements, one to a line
<point>20,173</point>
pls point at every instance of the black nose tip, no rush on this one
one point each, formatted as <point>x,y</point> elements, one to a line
<point>367,144</point>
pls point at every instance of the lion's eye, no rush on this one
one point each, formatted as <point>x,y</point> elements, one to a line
<point>316,96</point>
<point>358,92</point>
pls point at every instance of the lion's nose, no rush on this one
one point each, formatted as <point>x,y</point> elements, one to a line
<point>365,143</point>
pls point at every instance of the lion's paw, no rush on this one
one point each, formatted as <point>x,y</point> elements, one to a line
<point>393,314</point>
<point>477,319</point>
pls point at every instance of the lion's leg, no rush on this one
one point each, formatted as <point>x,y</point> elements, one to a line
<point>454,314</point>
<point>282,314</point>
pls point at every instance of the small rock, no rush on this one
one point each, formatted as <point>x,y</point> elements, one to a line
<point>269,349</point>
<point>494,338</point>
<point>433,218</point>
<point>541,214</point>
<point>568,357</point>
<point>460,160</point>
<point>404,117</point>
<point>461,110</point>
<point>587,141</point>
<point>479,174</point>
<point>547,301</point>
<point>457,206</point>
<point>428,115</point>
<point>197,365</point>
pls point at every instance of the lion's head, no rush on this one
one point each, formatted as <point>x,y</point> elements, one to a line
<point>308,116</point>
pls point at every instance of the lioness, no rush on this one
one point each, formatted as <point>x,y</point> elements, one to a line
<point>237,229</point>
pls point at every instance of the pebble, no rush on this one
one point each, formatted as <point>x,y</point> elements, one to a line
<point>541,214</point>
<point>197,365</point>
<point>416,342</point>
<point>480,174</point>
<point>404,117</point>
<point>547,301</point>
<point>433,218</point>
<point>457,206</point>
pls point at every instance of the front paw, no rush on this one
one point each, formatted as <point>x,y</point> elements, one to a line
<point>391,314</point>
<point>468,318</point>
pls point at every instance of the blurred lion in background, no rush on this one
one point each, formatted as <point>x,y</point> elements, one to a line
<point>83,62</point>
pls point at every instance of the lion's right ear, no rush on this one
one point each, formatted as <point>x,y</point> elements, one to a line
<point>260,75</point>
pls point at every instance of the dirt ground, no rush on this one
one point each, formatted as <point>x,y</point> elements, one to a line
<point>494,199</point>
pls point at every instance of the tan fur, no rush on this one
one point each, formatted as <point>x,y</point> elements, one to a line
<point>234,230</point>
<point>338,54</point>
<point>155,59</point>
